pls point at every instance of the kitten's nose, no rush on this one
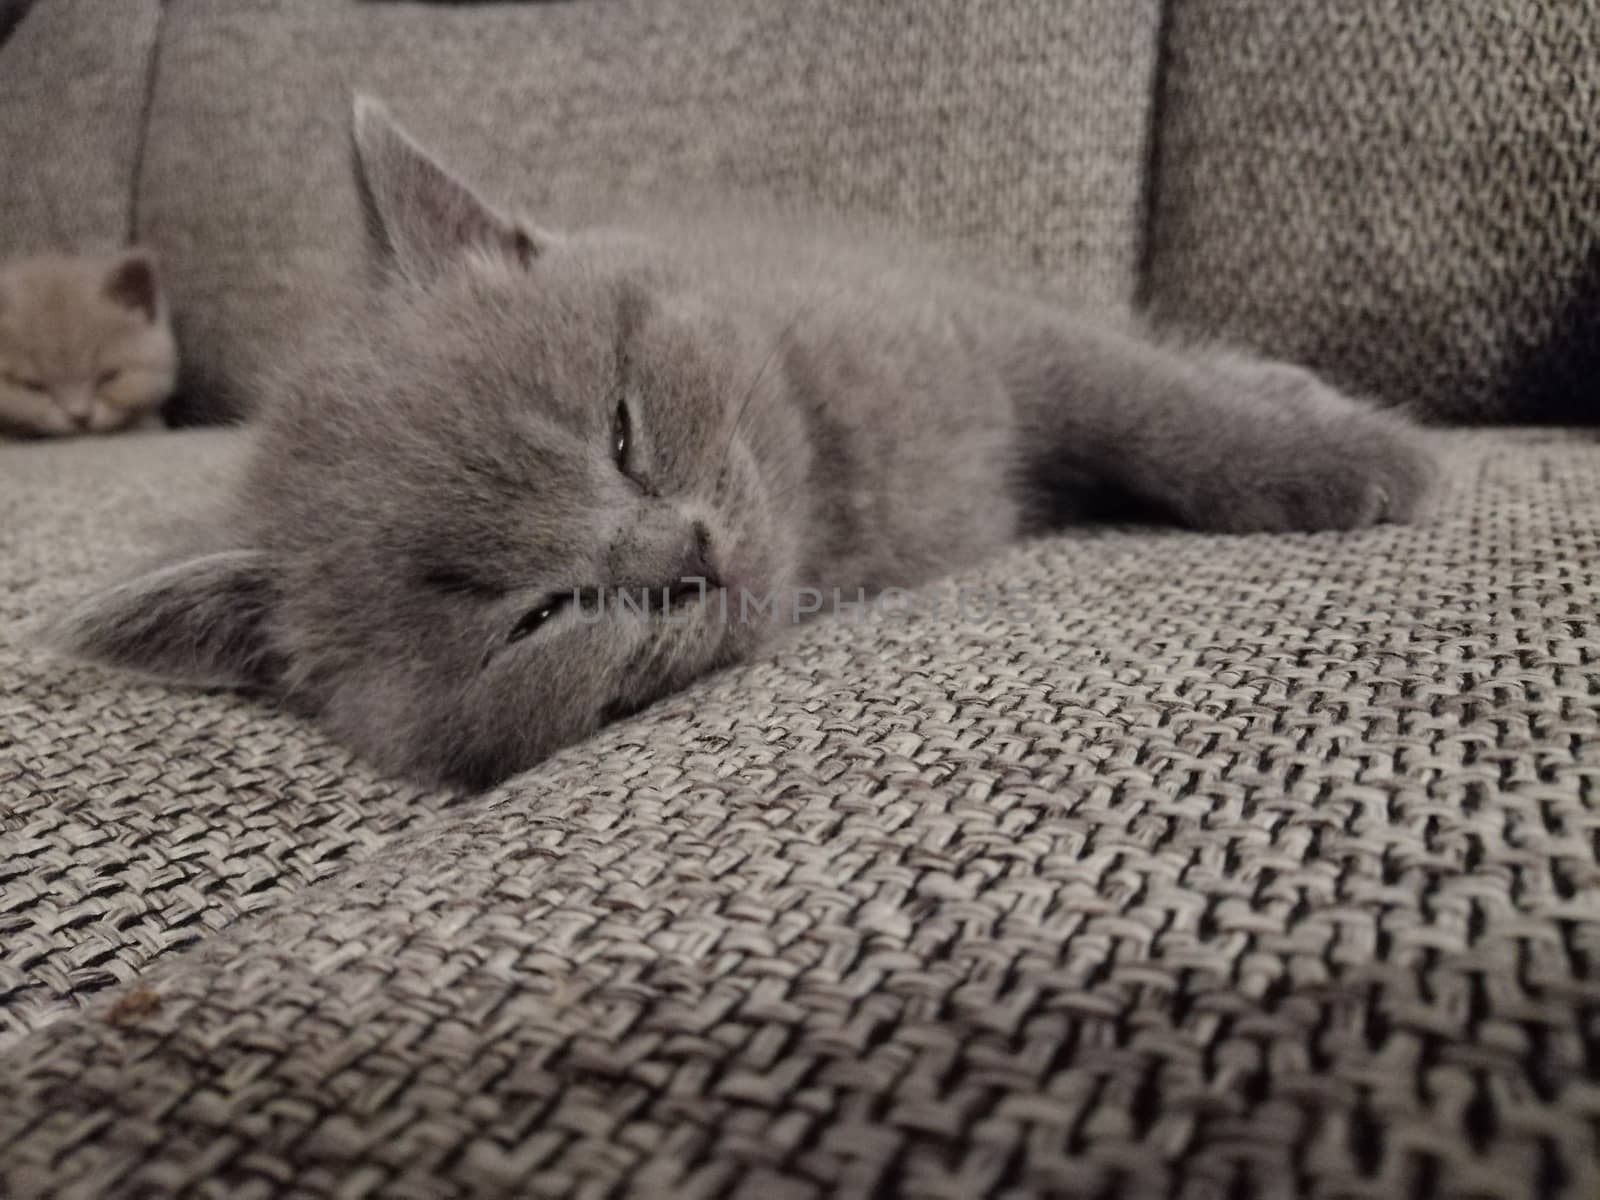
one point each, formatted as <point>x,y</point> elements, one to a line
<point>699,561</point>
<point>661,549</point>
<point>79,408</point>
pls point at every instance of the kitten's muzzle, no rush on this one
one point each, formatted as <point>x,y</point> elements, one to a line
<point>656,554</point>
<point>698,574</point>
<point>701,561</point>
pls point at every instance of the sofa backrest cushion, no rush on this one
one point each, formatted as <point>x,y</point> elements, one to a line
<point>1013,128</point>
<point>74,75</point>
<point>1404,194</point>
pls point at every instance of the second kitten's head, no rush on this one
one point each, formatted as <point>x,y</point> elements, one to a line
<point>456,491</point>
<point>85,345</point>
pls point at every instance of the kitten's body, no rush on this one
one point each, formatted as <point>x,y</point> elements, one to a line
<point>85,344</point>
<point>522,417</point>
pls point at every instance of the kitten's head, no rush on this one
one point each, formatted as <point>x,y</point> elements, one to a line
<point>451,497</point>
<point>85,346</point>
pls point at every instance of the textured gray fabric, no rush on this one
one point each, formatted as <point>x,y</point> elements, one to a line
<point>1016,130</point>
<point>73,80</point>
<point>1404,193</point>
<point>1210,867</point>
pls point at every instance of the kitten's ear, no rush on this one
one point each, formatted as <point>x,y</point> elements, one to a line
<point>132,283</point>
<point>199,621</point>
<point>423,215</point>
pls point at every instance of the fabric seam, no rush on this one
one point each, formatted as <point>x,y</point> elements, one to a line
<point>1144,268</point>
<point>136,181</point>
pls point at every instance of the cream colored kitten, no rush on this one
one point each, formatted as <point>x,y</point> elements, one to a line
<point>85,344</point>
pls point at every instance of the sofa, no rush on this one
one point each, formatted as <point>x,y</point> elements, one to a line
<point>1218,867</point>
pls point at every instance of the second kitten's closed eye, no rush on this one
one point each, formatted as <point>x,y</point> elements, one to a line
<point>25,383</point>
<point>85,344</point>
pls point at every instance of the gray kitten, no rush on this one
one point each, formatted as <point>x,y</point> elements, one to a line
<point>524,423</point>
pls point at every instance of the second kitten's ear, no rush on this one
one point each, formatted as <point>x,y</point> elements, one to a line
<point>132,283</point>
<point>423,214</point>
<point>199,621</point>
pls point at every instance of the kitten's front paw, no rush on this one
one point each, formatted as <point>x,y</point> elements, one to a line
<point>1307,458</point>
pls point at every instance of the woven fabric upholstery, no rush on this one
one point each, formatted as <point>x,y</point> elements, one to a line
<point>1207,867</point>
<point>73,79</point>
<point>1402,193</point>
<point>1014,129</point>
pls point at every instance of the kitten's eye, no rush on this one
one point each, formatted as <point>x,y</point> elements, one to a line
<point>107,378</point>
<point>621,436</point>
<point>534,618</point>
<point>28,384</point>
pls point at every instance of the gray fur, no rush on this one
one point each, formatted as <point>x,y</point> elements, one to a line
<point>806,411</point>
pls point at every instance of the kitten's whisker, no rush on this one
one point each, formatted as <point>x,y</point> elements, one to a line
<point>799,487</point>
<point>755,382</point>
<point>749,395</point>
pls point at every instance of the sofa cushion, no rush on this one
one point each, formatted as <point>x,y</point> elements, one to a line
<point>1404,194</point>
<point>1202,867</point>
<point>1016,130</point>
<point>74,75</point>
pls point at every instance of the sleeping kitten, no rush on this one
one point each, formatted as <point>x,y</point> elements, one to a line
<point>85,346</point>
<point>448,497</point>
